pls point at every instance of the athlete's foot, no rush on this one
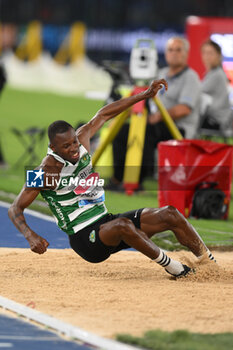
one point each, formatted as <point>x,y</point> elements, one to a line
<point>183,273</point>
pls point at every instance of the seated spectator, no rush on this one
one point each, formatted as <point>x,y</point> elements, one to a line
<point>182,101</point>
<point>217,114</point>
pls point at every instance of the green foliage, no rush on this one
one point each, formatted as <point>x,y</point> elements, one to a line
<point>179,340</point>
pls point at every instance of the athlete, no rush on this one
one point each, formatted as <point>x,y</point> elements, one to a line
<point>76,199</point>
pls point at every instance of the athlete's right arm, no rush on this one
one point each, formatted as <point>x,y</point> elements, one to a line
<point>37,243</point>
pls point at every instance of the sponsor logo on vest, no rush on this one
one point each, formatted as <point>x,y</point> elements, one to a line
<point>92,236</point>
<point>58,211</point>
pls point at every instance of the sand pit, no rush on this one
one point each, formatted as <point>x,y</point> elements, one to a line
<point>125,294</point>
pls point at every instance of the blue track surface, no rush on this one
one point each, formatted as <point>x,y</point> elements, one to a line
<point>10,237</point>
<point>20,335</point>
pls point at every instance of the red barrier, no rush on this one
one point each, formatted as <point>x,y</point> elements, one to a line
<point>185,164</point>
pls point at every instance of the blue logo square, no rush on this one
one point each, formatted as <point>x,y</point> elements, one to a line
<point>35,178</point>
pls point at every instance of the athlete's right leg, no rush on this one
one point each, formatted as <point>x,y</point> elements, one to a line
<point>123,229</point>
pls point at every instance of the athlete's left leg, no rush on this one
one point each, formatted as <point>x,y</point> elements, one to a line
<point>169,218</point>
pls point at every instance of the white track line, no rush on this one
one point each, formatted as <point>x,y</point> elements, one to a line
<point>213,231</point>
<point>29,338</point>
<point>62,327</point>
<point>30,212</point>
<point>6,345</point>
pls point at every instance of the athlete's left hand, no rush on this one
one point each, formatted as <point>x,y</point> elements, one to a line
<point>154,87</point>
<point>37,243</point>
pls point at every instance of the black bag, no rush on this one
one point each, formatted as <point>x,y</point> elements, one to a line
<point>209,202</point>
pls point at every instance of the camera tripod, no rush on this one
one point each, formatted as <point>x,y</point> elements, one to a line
<point>136,138</point>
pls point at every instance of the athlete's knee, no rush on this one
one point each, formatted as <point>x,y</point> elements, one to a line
<point>124,226</point>
<point>173,216</point>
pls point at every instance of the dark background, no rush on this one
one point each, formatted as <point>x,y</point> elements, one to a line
<point>127,14</point>
<point>107,21</point>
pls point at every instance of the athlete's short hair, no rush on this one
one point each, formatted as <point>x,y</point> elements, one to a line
<point>58,127</point>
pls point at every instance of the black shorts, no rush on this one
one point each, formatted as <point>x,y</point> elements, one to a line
<point>88,245</point>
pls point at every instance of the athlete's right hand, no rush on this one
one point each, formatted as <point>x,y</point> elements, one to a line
<point>37,243</point>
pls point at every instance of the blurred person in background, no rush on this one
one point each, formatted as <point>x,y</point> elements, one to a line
<point>2,83</point>
<point>182,100</point>
<point>216,113</point>
<point>183,97</point>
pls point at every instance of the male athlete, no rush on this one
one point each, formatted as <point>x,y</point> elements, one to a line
<point>79,208</point>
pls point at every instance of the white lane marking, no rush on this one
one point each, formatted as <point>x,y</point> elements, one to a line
<point>25,337</point>
<point>214,231</point>
<point>31,212</point>
<point>62,327</point>
<point>6,345</point>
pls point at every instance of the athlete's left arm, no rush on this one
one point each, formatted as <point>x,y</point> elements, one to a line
<point>113,109</point>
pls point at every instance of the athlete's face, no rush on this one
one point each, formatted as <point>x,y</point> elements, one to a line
<point>66,145</point>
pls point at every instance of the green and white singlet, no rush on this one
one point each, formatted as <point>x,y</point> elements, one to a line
<point>73,204</point>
